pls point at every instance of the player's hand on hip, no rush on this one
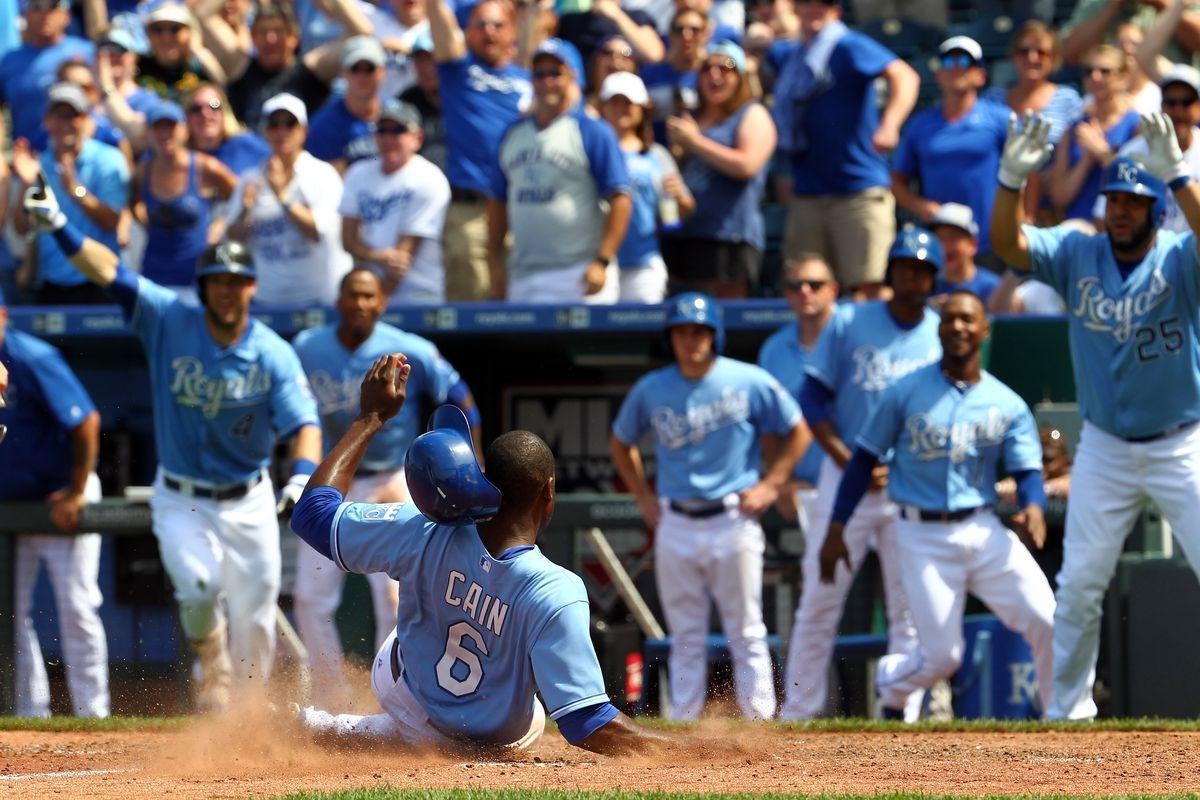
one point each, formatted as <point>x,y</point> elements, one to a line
<point>594,277</point>
<point>757,499</point>
<point>1027,148</point>
<point>41,204</point>
<point>1031,524</point>
<point>65,506</point>
<point>385,386</point>
<point>1163,156</point>
<point>651,510</point>
<point>833,550</point>
<point>879,477</point>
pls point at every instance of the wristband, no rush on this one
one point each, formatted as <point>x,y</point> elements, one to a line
<point>1180,182</point>
<point>68,238</point>
<point>302,466</point>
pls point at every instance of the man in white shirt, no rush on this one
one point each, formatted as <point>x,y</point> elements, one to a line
<point>393,209</point>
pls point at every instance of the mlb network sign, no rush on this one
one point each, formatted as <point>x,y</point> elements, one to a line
<point>576,423</point>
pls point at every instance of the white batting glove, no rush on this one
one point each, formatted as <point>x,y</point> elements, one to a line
<point>291,494</point>
<point>41,204</point>
<point>1027,148</point>
<point>1163,156</point>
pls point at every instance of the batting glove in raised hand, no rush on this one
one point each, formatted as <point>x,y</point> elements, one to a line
<point>290,495</point>
<point>41,204</point>
<point>1163,156</point>
<point>1027,148</point>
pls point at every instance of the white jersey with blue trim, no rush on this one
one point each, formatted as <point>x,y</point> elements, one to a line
<point>862,351</point>
<point>948,440</point>
<point>336,377</point>
<point>477,634</point>
<point>706,431</point>
<point>1133,341</point>
<point>218,411</point>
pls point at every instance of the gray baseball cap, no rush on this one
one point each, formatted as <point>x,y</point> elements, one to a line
<point>363,48</point>
<point>398,111</point>
<point>69,94</point>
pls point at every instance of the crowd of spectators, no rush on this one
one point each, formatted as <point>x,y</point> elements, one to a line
<point>578,150</point>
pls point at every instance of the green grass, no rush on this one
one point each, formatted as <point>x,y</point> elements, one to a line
<point>60,724</point>
<point>547,794</point>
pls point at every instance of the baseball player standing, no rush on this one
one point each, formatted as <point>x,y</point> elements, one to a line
<point>708,414</point>
<point>811,291</point>
<point>225,387</point>
<point>336,357</point>
<point>947,426</point>
<point>1131,296</point>
<point>865,348</point>
<point>49,454</point>
<point>485,619</point>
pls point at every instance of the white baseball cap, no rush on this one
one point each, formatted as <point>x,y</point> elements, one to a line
<point>963,43</point>
<point>289,103</point>
<point>363,48</point>
<point>1182,73</point>
<point>956,215</point>
<point>627,85</point>
<point>171,12</point>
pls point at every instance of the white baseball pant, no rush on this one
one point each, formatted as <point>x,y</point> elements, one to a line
<point>403,719</point>
<point>564,285</point>
<point>73,565</point>
<point>224,552</point>
<point>940,562</point>
<point>717,560</point>
<point>318,587</point>
<point>1109,483</point>
<point>645,283</point>
<point>814,627</point>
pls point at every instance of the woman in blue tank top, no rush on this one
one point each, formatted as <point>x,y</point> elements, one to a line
<point>176,187</point>
<point>723,154</point>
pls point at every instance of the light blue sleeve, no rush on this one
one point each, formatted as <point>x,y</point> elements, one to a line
<point>879,435</point>
<point>1046,255</point>
<point>154,304</point>
<point>564,662</point>
<point>604,156</point>
<point>1022,445</point>
<point>113,186</point>
<point>375,537</point>
<point>824,363</point>
<point>292,401</point>
<point>777,412</point>
<point>630,423</point>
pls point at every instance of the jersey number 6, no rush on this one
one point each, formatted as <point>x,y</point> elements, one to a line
<point>455,652</point>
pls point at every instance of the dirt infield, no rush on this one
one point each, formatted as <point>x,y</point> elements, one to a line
<point>228,759</point>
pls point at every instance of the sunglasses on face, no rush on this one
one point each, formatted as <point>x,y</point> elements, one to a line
<point>1178,102</point>
<point>65,114</point>
<point>813,285</point>
<point>1029,50</point>
<point>548,74</point>
<point>159,28</point>
<point>959,60</point>
<point>486,24</point>
<point>282,121</point>
<point>391,130</point>
<point>682,29</point>
<point>211,105</point>
<point>363,68</point>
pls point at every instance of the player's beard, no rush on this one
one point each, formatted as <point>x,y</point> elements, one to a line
<point>1136,241</point>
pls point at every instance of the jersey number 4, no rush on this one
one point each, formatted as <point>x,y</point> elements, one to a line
<point>457,653</point>
<point>1153,339</point>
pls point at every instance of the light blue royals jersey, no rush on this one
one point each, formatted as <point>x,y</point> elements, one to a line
<point>783,356</point>
<point>217,411</point>
<point>336,374</point>
<point>1133,342</point>
<point>706,431</point>
<point>477,635</point>
<point>948,442</point>
<point>861,352</point>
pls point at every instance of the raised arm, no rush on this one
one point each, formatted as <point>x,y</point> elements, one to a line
<point>448,41</point>
<point>95,261</point>
<point>1026,150</point>
<point>1088,33</point>
<point>1149,52</point>
<point>1164,158</point>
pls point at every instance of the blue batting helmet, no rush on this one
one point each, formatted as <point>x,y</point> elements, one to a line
<point>694,308</point>
<point>917,244</point>
<point>1127,175</point>
<point>226,257</point>
<point>443,475</point>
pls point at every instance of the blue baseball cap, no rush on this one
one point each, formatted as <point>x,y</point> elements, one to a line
<point>731,51</point>
<point>565,53</point>
<point>165,110</point>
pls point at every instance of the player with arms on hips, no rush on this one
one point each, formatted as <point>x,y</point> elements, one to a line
<point>225,388</point>
<point>948,426</point>
<point>336,357</point>
<point>1131,296</point>
<point>712,418</point>
<point>863,350</point>
<point>485,619</point>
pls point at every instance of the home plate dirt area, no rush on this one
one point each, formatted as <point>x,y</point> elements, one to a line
<point>263,758</point>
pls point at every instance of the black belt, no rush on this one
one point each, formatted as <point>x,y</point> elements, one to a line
<point>467,195</point>
<point>1154,437</point>
<point>228,491</point>
<point>699,511</point>
<point>926,515</point>
<point>396,660</point>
